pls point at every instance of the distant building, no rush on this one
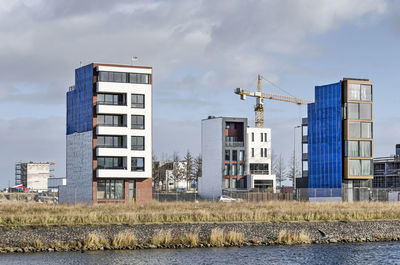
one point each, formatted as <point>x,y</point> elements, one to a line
<point>234,157</point>
<point>109,135</point>
<point>337,164</point>
<point>54,183</point>
<point>33,176</point>
<point>387,171</point>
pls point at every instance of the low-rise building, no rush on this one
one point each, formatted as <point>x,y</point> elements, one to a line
<point>33,176</point>
<point>387,171</point>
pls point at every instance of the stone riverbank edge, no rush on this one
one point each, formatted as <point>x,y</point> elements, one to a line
<point>80,238</point>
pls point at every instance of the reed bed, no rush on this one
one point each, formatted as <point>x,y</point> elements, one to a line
<point>33,214</point>
<point>293,237</point>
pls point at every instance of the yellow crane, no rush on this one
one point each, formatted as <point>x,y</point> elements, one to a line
<point>260,96</point>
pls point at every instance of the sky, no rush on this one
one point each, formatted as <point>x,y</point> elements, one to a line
<point>200,52</point>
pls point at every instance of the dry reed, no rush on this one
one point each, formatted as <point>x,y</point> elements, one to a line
<point>162,237</point>
<point>33,214</point>
<point>124,240</point>
<point>289,237</point>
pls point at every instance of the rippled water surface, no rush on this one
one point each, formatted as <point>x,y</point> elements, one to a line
<point>366,253</point>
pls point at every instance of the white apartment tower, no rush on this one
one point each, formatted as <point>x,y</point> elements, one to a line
<point>232,158</point>
<point>109,135</point>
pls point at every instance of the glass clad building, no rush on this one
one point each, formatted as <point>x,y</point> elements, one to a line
<point>340,141</point>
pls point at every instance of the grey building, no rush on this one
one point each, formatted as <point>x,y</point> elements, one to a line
<point>387,171</point>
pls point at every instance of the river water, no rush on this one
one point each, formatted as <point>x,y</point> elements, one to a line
<point>363,253</point>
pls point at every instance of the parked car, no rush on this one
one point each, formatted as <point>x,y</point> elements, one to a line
<point>225,198</point>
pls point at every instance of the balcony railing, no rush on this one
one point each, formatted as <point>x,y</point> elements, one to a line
<point>234,144</point>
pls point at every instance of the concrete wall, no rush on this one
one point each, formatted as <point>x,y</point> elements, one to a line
<point>210,183</point>
<point>37,175</point>
<point>79,169</point>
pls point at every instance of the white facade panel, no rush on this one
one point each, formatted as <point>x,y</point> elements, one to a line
<point>123,69</point>
<point>210,183</point>
<point>112,152</point>
<point>111,109</point>
<point>120,173</point>
<point>37,175</point>
<point>79,169</point>
<point>109,130</point>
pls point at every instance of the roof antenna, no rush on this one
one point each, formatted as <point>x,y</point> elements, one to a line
<point>134,59</point>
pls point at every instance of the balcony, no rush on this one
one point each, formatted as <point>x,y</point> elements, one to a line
<point>111,109</point>
<point>105,151</point>
<point>234,144</point>
<point>259,172</point>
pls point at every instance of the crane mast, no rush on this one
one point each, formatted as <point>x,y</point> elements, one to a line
<point>260,96</point>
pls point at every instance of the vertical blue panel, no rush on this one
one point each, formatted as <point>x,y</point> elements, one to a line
<point>324,140</point>
<point>79,101</point>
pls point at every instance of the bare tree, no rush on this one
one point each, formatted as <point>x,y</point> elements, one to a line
<point>197,168</point>
<point>189,174</point>
<point>293,170</point>
<point>156,171</point>
<point>279,169</point>
<point>178,172</point>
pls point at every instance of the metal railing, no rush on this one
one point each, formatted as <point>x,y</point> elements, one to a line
<point>234,144</point>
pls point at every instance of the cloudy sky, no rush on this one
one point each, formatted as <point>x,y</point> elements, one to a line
<point>200,51</point>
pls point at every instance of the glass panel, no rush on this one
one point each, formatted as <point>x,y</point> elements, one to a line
<point>234,155</point>
<point>366,92</point>
<point>354,91</point>
<point>108,120</point>
<point>234,170</point>
<point>133,78</point>
<point>366,167</point>
<point>101,189</point>
<point>241,156</point>
<point>354,168</point>
<point>366,130</point>
<point>305,165</point>
<point>352,148</point>
<point>227,155</point>
<point>226,170</point>
<point>352,111</point>
<point>354,129</point>
<point>137,164</point>
<point>365,111</point>
<point>365,149</point>
<point>119,189</point>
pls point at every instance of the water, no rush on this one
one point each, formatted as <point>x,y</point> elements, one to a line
<point>365,253</point>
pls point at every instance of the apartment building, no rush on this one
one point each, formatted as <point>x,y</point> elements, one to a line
<point>234,157</point>
<point>33,176</point>
<point>109,135</point>
<point>338,151</point>
<point>387,171</point>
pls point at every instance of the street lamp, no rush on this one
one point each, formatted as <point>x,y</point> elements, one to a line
<point>294,156</point>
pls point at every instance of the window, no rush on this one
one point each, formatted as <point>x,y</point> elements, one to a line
<point>137,122</point>
<point>265,137</point>
<point>365,111</point>
<point>366,130</point>
<point>262,152</point>
<point>354,167</point>
<point>111,162</point>
<point>137,143</point>
<point>234,170</point>
<point>261,137</point>
<point>366,92</point>
<point>227,126</point>
<point>305,148</point>
<point>241,155</point>
<point>351,149</point>
<point>124,77</point>
<point>110,189</point>
<point>265,152</point>
<point>137,164</point>
<point>352,111</point>
<point>226,170</point>
<point>137,101</point>
<point>111,99</point>
<point>252,137</point>
<point>366,168</point>
<point>108,141</point>
<point>305,165</point>
<point>227,155</point>
<point>234,155</point>
<point>252,152</point>
<point>365,149</point>
<point>354,91</point>
<point>241,170</point>
<point>354,130</point>
<point>111,120</point>
<point>259,169</point>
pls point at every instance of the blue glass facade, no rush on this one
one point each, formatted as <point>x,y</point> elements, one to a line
<point>325,141</point>
<point>79,101</point>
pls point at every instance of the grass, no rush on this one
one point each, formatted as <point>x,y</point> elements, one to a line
<point>162,237</point>
<point>289,237</point>
<point>219,237</point>
<point>33,214</point>
<point>124,240</point>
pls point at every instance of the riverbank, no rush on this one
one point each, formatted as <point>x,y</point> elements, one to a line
<point>200,235</point>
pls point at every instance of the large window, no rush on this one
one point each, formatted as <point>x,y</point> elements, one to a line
<point>137,122</point>
<point>137,164</point>
<point>124,77</point>
<point>110,189</point>
<point>360,167</point>
<point>234,155</point>
<point>137,101</point>
<point>241,155</point>
<point>226,170</point>
<point>227,155</point>
<point>365,111</point>
<point>360,92</point>
<point>358,149</point>
<point>111,99</point>
<point>234,170</point>
<point>359,111</point>
<point>111,162</point>
<point>259,169</point>
<point>111,120</point>
<point>360,130</point>
<point>241,170</point>
<point>137,143</point>
<point>109,141</point>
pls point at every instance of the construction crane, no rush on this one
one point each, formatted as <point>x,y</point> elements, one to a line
<point>260,96</point>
